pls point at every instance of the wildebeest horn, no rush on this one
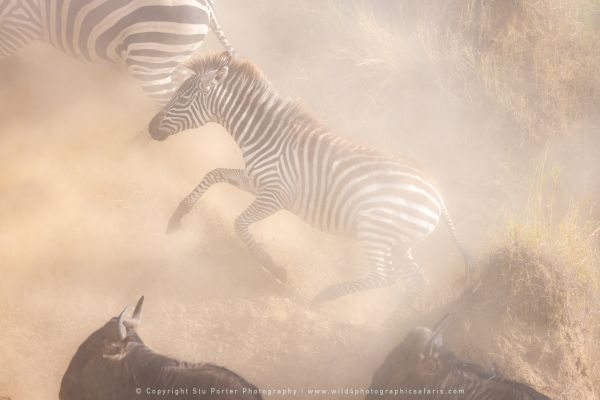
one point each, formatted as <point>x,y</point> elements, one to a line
<point>439,327</point>
<point>136,317</point>
<point>137,312</point>
<point>121,331</point>
<point>443,323</point>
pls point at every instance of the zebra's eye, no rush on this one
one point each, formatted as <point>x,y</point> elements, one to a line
<point>185,99</point>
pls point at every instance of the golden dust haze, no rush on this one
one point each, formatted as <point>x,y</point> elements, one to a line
<point>86,195</point>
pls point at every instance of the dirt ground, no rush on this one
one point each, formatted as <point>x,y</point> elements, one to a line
<point>85,196</point>
<point>85,200</point>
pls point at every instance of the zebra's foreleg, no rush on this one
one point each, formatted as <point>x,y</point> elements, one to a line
<point>371,281</point>
<point>236,177</point>
<point>265,205</point>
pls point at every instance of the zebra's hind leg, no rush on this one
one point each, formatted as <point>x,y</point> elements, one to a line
<point>154,77</point>
<point>381,272</point>
<point>265,205</point>
<point>414,281</point>
<point>236,177</point>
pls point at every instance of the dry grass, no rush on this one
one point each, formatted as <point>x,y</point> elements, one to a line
<point>535,316</point>
<point>536,61</point>
<point>538,309</point>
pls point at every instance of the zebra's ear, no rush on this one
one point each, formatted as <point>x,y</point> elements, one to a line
<point>213,78</point>
<point>225,58</point>
<point>221,74</point>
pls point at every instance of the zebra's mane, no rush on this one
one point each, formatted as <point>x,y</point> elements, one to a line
<point>201,65</point>
<point>295,110</point>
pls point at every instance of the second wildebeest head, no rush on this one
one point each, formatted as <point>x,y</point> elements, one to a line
<point>114,364</point>
<point>421,362</point>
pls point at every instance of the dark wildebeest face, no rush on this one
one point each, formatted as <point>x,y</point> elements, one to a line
<point>103,350</point>
<point>193,104</point>
<point>114,364</point>
<point>411,361</point>
<point>421,361</point>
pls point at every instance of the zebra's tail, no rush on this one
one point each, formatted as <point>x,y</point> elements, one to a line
<point>218,31</point>
<point>458,241</point>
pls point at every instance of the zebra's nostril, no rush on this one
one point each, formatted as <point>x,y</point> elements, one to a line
<point>161,136</point>
<point>155,129</point>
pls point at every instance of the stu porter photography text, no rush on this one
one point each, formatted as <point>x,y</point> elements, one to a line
<point>296,392</point>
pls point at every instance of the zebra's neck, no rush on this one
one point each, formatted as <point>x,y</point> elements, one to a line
<point>254,114</point>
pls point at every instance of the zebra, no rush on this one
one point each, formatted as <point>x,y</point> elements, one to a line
<point>152,38</point>
<point>292,162</point>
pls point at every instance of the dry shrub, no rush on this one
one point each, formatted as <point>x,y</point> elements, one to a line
<point>538,60</point>
<point>535,61</point>
<point>535,317</point>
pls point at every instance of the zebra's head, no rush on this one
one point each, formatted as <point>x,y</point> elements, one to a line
<point>190,107</point>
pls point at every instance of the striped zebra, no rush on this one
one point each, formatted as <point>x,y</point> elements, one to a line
<point>151,37</point>
<point>293,163</point>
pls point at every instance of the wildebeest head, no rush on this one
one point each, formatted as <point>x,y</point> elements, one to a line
<point>107,343</point>
<point>121,327</point>
<point>114,364</point>
<point>421,361</point>
<point>412,360</point>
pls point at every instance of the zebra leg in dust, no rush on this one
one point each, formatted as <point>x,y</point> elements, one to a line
<point>265,205</point>
<point>378,251</point>
<point>235,177</point>
<point>414,281</point>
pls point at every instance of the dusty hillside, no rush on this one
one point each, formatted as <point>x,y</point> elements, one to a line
<point>535,316</point>
<point>84,205</point>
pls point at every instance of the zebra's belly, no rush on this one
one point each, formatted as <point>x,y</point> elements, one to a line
<point>321,217</point>
<point>388,213</point>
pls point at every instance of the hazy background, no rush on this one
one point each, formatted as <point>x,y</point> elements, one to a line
<point>85,196</point>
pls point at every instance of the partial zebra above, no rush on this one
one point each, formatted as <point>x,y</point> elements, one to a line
<point>294,163</point>
<point>151,37</point>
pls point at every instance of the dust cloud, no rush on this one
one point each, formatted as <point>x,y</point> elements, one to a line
<point>86,197</point>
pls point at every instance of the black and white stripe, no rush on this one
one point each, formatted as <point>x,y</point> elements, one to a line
<point>293,163</point>
<point>151,37</point>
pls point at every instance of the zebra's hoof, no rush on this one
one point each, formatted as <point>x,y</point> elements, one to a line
<point>316,303</point>
<point>173,226</point>
<point>280,274</point>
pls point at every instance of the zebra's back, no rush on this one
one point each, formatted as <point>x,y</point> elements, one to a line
<point>341,184</point>
<point>292,162</point>
<point>109,30</point>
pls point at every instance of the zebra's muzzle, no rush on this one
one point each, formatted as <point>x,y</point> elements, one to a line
<point>155,129</point>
